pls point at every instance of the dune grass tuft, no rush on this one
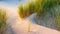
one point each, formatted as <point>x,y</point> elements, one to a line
<point>3,19</point>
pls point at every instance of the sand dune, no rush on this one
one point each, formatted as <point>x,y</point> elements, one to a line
<point>20,26</point>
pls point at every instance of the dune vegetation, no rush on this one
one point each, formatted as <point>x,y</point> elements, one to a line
<point>41,7</point>
<point>3,19</point>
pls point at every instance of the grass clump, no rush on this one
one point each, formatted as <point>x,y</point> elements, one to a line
<point>3,19</point>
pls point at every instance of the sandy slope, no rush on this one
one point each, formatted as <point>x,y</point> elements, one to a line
<point>20,26</point>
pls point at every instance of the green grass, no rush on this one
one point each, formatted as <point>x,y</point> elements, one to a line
<point>39,7</point>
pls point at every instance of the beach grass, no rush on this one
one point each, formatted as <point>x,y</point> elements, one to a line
<point>3,19</point>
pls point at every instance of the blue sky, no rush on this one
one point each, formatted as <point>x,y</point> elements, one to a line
<point>12,2</point>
